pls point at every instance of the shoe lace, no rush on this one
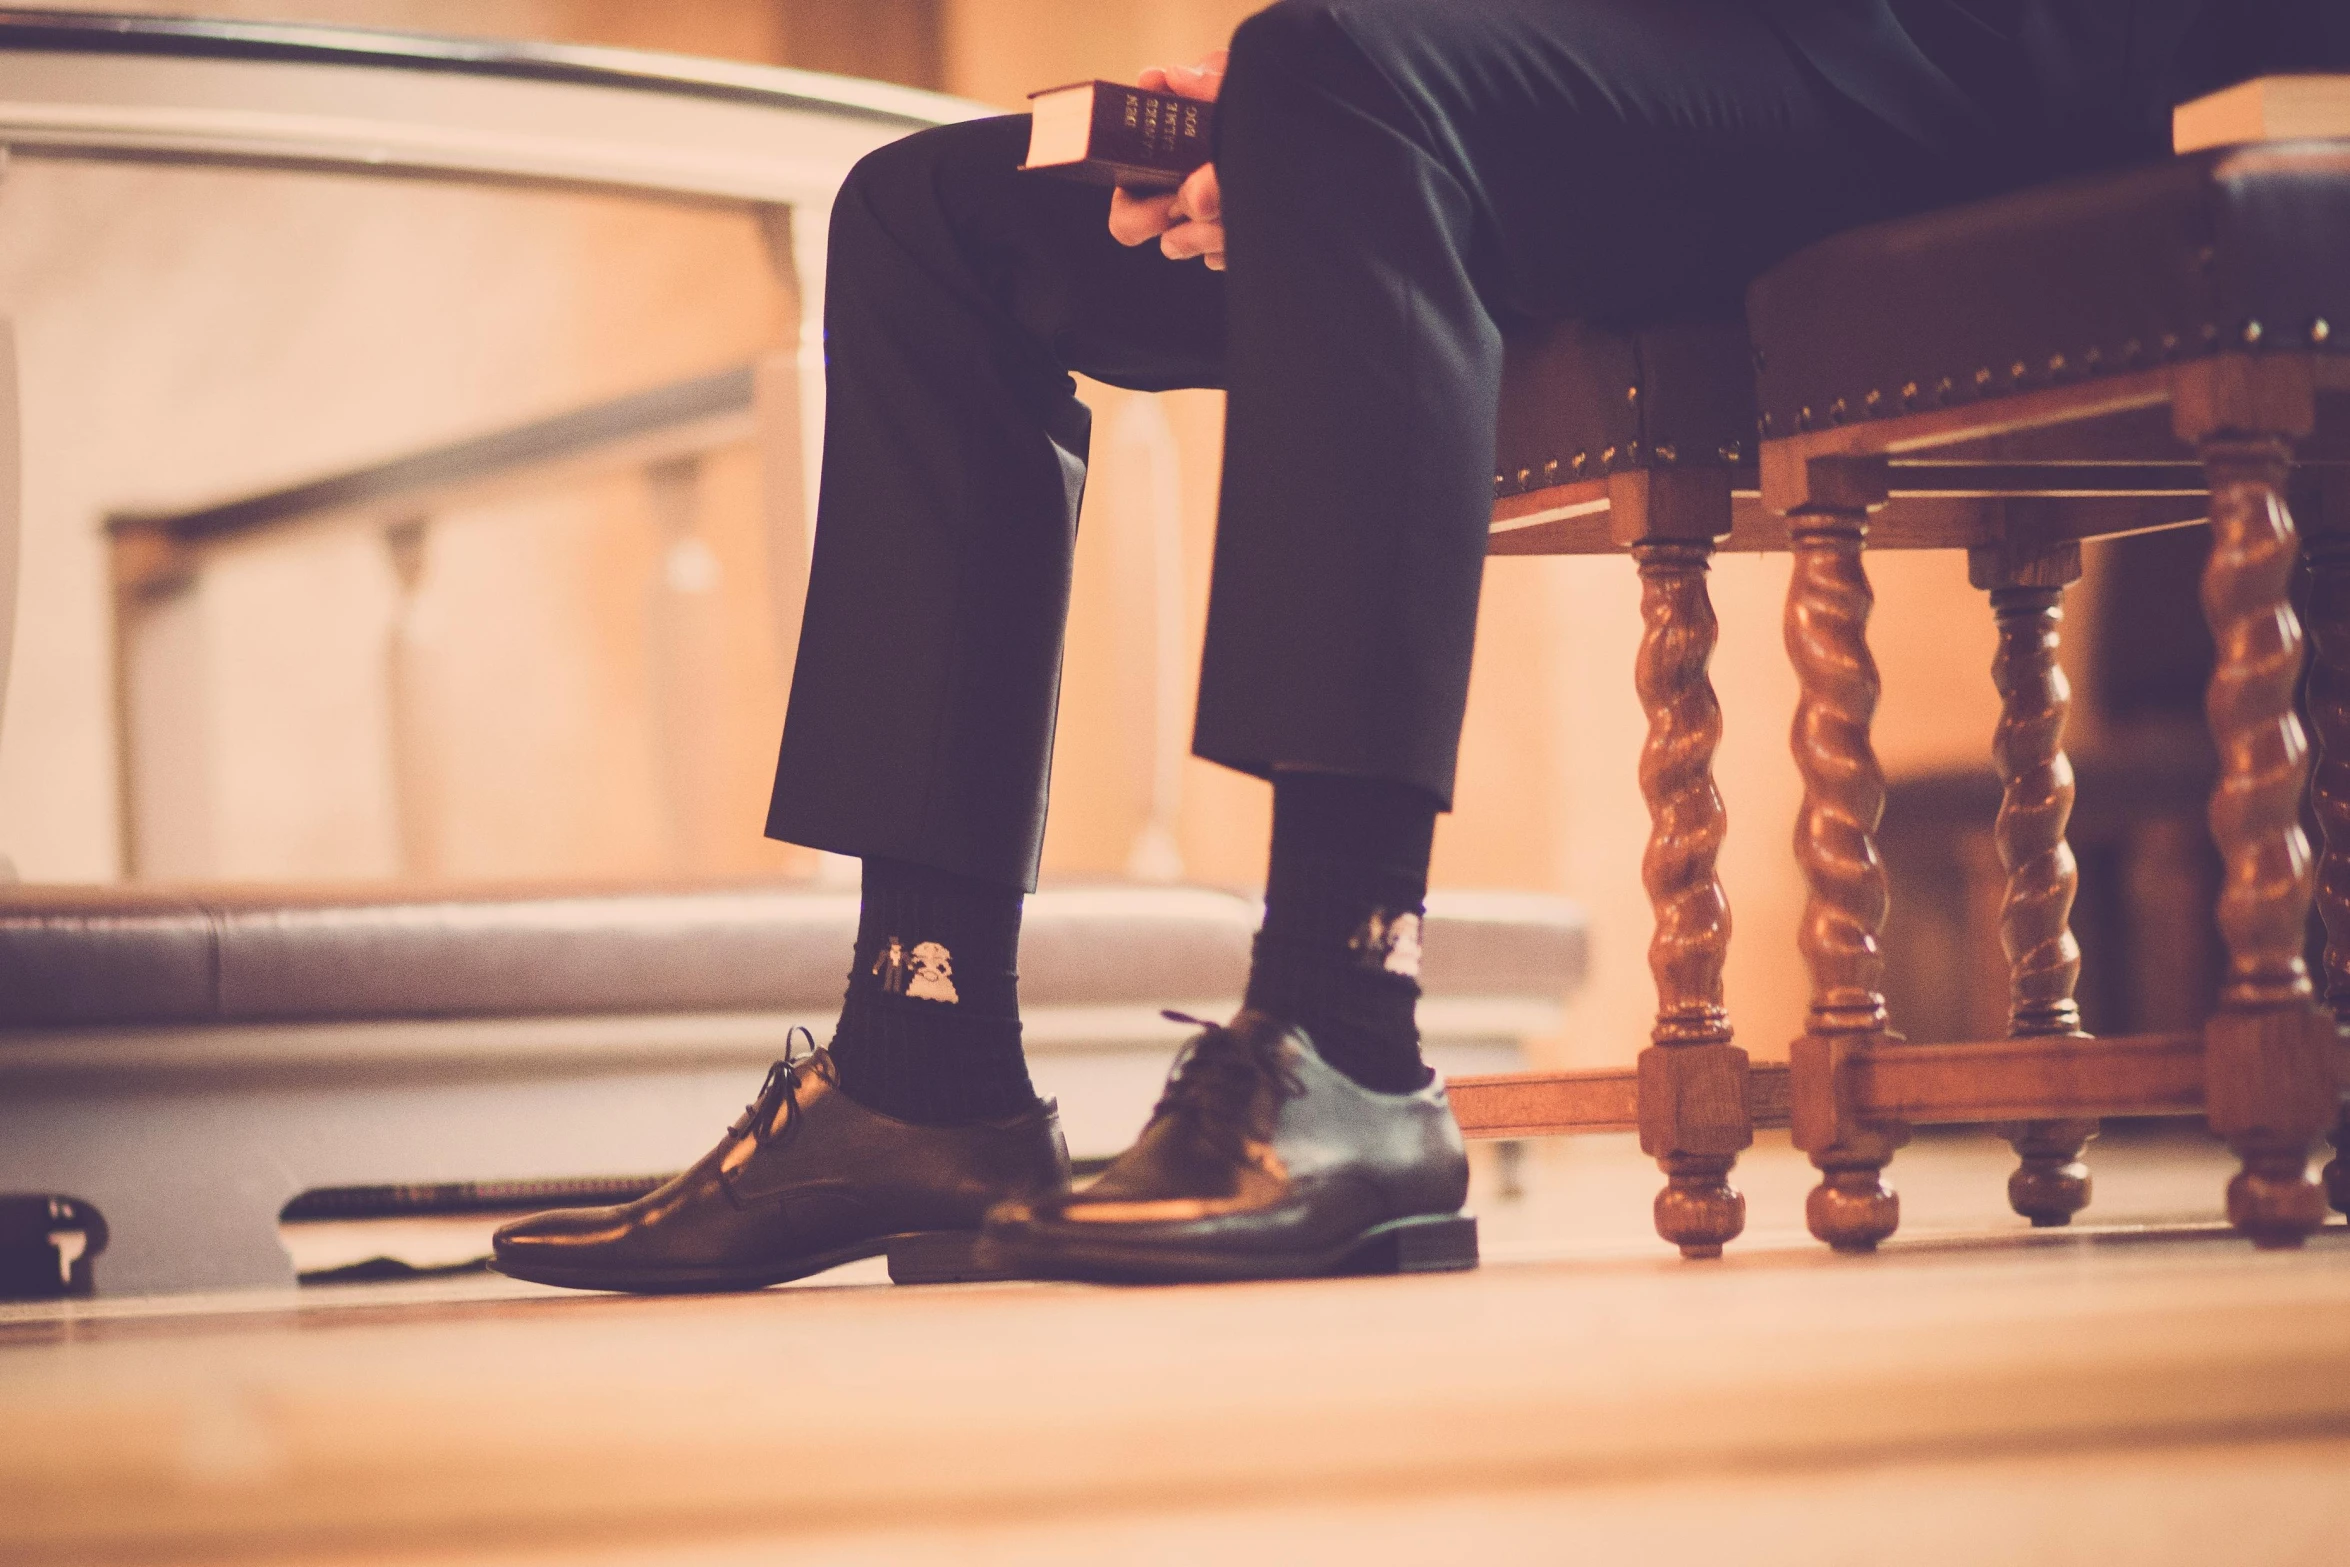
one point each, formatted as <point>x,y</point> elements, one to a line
<point>782,1083</point>
<point>1217,1075</point>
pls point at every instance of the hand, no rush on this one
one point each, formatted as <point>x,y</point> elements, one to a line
<point>1189,220</point>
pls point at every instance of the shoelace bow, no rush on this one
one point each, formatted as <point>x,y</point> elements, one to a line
<point>1217,1075</point>
<point>783,1078</point>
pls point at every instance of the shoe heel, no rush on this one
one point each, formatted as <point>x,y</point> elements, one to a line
<point>940,1257</point>
<point>1429,1243</point>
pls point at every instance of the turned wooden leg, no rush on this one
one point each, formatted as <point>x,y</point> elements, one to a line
<point>2270,1090</point>
<point>2337,1175</point>
<point>1828,605</point>
<point>2050,1184</point>
<point>2328,555</point>
<point>1693,1115</point>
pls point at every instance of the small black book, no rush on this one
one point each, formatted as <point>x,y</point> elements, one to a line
<point>1107,134</point>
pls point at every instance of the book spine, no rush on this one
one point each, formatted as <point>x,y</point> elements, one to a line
<point>1150,130</point>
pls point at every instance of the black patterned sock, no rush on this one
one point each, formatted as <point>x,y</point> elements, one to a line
<point>1339,953</point>
<point>930,1030</point>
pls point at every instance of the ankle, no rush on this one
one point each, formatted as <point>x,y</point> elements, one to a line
<point>1339,954</point>
<point>930,1029</point>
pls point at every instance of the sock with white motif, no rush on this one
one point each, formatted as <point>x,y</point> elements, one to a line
<point>930,1029</point>
<point>1339,953</point>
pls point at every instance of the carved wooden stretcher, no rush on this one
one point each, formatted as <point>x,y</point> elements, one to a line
<point>2109,356</point>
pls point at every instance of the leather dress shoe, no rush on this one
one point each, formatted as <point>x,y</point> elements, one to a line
<point>805,1180</point>
<point>1261,1161</point>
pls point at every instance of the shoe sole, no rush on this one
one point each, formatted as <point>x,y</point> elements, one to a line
<point>1423,1243</point>
<point>917,1257</point>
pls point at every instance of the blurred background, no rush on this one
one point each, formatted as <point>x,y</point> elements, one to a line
<point>583,679</point>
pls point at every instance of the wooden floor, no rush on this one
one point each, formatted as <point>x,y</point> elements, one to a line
<point>2146,1391</point>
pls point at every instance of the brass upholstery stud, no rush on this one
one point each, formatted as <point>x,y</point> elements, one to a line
<point>1631,394</point>
<point>1837,410</point>
<point>1909,391</point>
<point>1582,459</point>
<point>1607,457</point>
<point>2320,330</point>
<point>1666,453</point>
<point>2056,364</point>
<point>2210,333</point>
<point>2170,342</point>
<point>1729,451</point>
<point>2132,349</point>
<point>1525,477</point>
<point>2018,370</point>
<point>1550,471</point>
<point>1944,387</point>
<point>2251,332</point>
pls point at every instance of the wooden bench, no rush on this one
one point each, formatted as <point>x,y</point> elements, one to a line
<point>2112,355</point>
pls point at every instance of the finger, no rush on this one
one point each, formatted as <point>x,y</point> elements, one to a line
<point>1187,240</point>
<point>1134,218</point>
<point>1191,81</point>
<point>1215,260</point>
<point>1200,196</point>
<point>1153,79</point>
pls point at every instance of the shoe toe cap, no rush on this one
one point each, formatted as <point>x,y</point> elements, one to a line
<point>559,1232</point>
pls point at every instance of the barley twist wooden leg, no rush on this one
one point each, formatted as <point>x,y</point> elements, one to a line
<point>1692,1078</point>
<point>2269,1064</point>
<point>1828,606</point>
<point>2050,1184</point>
<point>2328,555</point>
<point>2337,1174</point>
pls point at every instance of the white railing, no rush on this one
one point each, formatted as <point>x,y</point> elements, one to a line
<point>662,435</point>
<point>771,142</point>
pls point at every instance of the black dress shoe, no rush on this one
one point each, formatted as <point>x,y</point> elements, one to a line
<point>807,1179</point>
<point>1261,1161</point>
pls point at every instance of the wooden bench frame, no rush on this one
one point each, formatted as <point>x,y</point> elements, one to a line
<point>2018,482</point>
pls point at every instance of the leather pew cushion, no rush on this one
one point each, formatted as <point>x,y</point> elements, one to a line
<point>139,956</point>
<point>1581,402</point>
<point>2236,248</point>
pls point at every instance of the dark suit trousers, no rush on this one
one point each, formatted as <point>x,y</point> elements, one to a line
<point>1404,181</point>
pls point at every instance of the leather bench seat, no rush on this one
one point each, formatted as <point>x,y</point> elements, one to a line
<point>1581,402</point>
<point>2230,250</point>
<point>134,956</point>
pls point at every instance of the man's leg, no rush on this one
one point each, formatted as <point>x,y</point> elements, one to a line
<point>921,723</point>
<point>920,729</point>
<point>1402,179</point>
<point>961,295</point>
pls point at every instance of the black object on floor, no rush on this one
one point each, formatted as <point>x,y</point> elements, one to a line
<point>47,1245</point>
<point>412,1201</point>
<point>390,1270</point>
